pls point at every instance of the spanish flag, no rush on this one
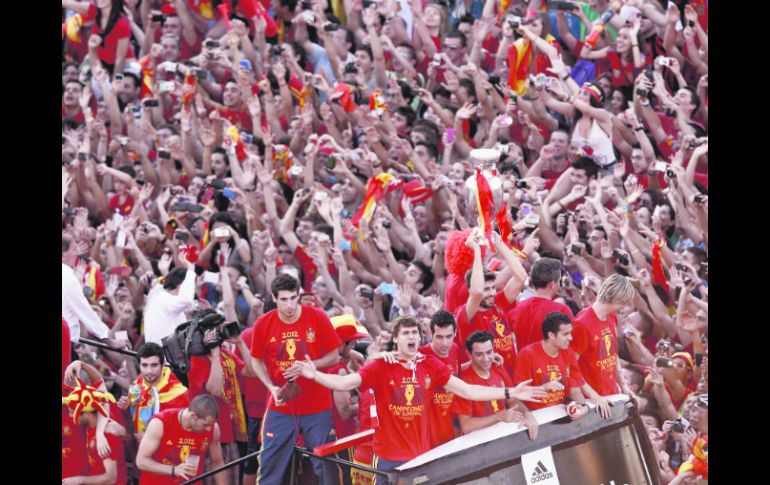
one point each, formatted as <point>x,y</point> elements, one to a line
<point>148,75</point>
<point>231,137</point>
<point>95,281</point>
<point>506,230</point>
<point>188,91</point>
<point>658,276</point>
<point>377,102</point>
<point>345,93</point>
<point>145,400</point>
<point>520,62</point>
<point>205,239</point>
<point>376,188</point>
<point>484,203</point>
<point>72,26</point>
<point>285,160</point>
<point>699,464</point>
<point>501,12</point>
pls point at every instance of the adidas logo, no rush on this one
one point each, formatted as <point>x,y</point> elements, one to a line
<point>541,473</point>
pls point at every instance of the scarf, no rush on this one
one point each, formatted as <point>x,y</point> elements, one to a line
<point>231,394</point>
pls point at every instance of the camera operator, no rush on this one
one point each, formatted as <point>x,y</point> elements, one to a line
<point>217,374</point>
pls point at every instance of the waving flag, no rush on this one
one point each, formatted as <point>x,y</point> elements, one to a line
<point>376,189</point>
<point>484,203</point>
<point>658,276</point>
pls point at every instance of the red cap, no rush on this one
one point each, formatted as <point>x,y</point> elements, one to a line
<point>416,192</point>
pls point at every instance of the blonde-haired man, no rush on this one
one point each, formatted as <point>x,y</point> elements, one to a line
<point>595,338</point>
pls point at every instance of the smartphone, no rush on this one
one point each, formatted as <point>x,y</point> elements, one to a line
<point>386,224</point>
<point>664,61</point>
<point>699,198</point>
<point>525,209</point>
<point>520,184</point>
<point>212,44</point>
<point>82,157</point>
<point>166,86</point>
<point>218,184</point>
<point>331,27</point>
<point>221,232</point>
<point>698,359</point>
<point>201,74</point>
<point>387,288</point>
<point>158,17</point>
<point>227,192</point>
<point>661,166</point>
<point>319,196</point>
<point>151,103</point>
<point>366,293</point>
<point>664,362</point>
<point>165,155</point>
<point>575,249</point>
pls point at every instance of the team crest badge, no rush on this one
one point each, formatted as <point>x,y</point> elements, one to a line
<point>310,336</point>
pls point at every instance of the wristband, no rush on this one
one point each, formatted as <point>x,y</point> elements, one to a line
<point>641,128</point>
<point>507,393</point>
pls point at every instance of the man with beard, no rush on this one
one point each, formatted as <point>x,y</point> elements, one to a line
<point>486,307</point>
<point>155,390</point>
<point>402,391</point>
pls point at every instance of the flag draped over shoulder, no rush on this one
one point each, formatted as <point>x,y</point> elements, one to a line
<point>376,188</point>
<point>145,400</point>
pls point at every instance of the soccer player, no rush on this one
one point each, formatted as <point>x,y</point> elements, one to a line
<point>403,391</point>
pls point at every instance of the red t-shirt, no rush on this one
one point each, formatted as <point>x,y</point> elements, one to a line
<point>363,453</point>
<point>498,377</point>
<point>117,453</point>
<point>441,425</point>
<point>279,344</point>
<point>528,315</point>
<point>533,363</point>
<point>73,447</point>
<point>403,405</point>
<point>342,427</point>
<point>596,342</point>
<point>121,30</point>
<point>175,446</point>
<point>124,208</point>
<point>254,392</point>
<point>200,369</point>
<point>494,321</point>
<point>456,293</point>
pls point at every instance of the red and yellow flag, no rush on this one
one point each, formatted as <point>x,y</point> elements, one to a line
<point>148,75</point>
<point>520,61</point>
<point>658,276</point>
<point>71,27</point>
<point>189,88</point>
<point>284,160</point>
<point>377,102</point>
<point>376,188</point>
<point>699,464</point>
<point>95,281</point>
<point>232,137</point>
<point>506,230</point>
<point>484,204</point>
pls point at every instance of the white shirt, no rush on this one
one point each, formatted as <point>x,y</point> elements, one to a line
<point>75,308</point>
<point>164,311</point>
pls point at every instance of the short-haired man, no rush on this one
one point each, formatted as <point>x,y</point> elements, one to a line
<point>486,307</point>
<point>572,186</point>
<point>527,317</point>
<point>442,345</point>
<point>402,392</point>
<point>479,415</point>
<point>156,389</point>
<point>281,337</point>
<point>176,441</point>
<point>553,365</point>
<point>166,305</point>
<point>595,337</point>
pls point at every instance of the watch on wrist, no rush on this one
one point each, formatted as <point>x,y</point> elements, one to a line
<point>507,393</point>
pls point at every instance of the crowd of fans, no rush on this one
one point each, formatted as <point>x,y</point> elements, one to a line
<point>210,147</point>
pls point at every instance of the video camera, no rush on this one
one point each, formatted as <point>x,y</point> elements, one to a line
<point>188,339</point>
